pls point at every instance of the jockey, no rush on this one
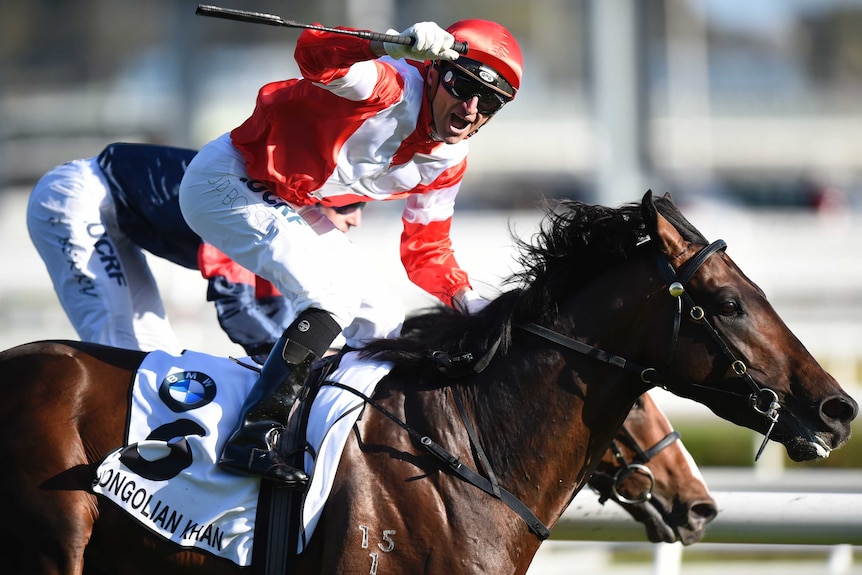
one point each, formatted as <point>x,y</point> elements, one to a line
<point>367,121</point>
<point>90,221</point>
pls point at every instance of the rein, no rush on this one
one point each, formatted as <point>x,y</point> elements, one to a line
<point>650,375</point>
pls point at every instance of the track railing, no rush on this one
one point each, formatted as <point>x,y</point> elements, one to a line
<point>782,523</point>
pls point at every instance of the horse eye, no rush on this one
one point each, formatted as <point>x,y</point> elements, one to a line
<point>729,307</point>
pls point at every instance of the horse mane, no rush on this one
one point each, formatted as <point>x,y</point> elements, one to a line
<point>576,243</point>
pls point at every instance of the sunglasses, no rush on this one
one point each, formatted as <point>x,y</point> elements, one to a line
<point>463,86</point>
<point>349,208</point>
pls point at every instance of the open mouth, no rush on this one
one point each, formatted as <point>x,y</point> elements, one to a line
<point>458,124</point>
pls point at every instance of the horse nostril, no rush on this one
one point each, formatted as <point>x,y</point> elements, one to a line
<point>703,511</point>
<point>839,409</point>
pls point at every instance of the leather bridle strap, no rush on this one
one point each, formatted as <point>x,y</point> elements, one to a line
<point>474,441</point>
<point>677,281</point>
<point>645,456</point>
<point>534,524</point>
<point>647,374</point>
<point>690,267</point>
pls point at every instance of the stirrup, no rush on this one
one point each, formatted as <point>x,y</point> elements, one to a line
<point>266,464</point>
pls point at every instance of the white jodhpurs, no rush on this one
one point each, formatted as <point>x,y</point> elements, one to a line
<point>296,248</point>
<point>101,278</point>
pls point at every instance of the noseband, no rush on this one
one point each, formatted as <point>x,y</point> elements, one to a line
<point>677,279</point>
<point>637,465</point>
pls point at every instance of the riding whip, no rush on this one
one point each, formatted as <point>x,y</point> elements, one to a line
<point>273,20</point>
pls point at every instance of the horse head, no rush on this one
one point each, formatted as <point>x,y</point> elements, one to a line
<point>648,471</point>
<point>729,348</point>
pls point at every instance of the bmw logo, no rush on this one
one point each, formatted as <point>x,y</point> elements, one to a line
<point>186,390</point>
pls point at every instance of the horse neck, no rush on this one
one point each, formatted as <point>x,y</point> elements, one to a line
<point>544,428</point>
<point>548,414</point>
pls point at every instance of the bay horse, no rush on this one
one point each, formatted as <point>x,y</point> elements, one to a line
<point>453,471</point>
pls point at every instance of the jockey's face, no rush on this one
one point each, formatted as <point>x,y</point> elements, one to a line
<point>343,221</point>
<point>452,119</point>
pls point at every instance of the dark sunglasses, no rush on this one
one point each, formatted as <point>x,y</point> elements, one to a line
<point>463,86</point>
<point>349,208</point>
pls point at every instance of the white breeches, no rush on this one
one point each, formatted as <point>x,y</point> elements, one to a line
<point>296,248</point>
<point>101,278</point>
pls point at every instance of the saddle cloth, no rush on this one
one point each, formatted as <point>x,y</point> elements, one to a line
<point>182,410</point>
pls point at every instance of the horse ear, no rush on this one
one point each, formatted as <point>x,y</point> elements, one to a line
<point>660,229</point>
<point>649,213</point>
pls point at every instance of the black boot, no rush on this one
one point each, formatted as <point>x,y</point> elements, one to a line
<point>254,447</point>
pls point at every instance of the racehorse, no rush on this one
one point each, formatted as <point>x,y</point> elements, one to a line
<point>454,470</point>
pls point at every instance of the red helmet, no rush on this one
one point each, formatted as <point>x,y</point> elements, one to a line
<point>492,45</point>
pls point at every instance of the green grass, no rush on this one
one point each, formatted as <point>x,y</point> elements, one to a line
<point>694,555</point>
<point>722,444</point>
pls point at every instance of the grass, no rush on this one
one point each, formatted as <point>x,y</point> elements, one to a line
<point>722,444</point>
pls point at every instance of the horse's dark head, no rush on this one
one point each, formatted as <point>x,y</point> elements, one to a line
<point>732,352</point>
<point>643,283</point>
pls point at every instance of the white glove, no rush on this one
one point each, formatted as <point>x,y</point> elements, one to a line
<point>470,302</point>
<point>429,42</point>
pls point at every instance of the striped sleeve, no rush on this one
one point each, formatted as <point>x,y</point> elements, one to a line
<point>426,248</point>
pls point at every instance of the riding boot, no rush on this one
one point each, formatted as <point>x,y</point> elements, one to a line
<point>254,447</point>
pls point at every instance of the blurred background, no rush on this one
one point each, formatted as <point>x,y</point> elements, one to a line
<point>748,112</point>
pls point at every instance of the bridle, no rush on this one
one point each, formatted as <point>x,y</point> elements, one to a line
<point>677,279</point>
<point>629,468</point>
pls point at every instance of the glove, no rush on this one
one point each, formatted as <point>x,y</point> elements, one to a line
<point>429,42</point>
<point>470,302</point>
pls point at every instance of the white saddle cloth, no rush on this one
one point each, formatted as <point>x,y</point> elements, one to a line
<point>182,410</point>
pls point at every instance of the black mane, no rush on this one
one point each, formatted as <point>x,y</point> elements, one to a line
<point>575,243</point>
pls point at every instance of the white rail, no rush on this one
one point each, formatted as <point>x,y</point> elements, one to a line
<point>743,517</point>
<point>779,524</point>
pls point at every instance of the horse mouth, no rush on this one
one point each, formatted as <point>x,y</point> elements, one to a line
<point>821,447</point>
<point>666,525</point>
<point>658,529</point>
<point>806,445</point>
<point>817,447</point>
